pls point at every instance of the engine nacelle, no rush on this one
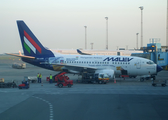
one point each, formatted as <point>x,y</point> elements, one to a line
<point>109,72</point>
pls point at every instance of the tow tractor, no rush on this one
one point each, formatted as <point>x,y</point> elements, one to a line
<point>24,85</point>
<point>63,80</point>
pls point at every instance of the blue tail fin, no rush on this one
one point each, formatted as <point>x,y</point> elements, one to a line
<point>31,45</point>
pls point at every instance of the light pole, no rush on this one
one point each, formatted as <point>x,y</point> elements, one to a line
<point>167,26</point>
<point>141,7</point>
<point>106,32</point>
<point>126,47</point>
<point>91,45</point>
<point>137,40</point>
<point>85,37</point>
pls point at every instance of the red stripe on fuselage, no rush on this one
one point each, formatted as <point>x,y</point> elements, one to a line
<point>32,41</point>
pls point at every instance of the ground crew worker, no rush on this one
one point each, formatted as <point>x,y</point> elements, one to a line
<point>40,76</point>
<point>51,78</point>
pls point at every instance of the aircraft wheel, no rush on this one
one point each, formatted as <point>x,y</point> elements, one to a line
<point>60,85</point>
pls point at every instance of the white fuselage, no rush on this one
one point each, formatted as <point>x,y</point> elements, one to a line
<point>133,65</point>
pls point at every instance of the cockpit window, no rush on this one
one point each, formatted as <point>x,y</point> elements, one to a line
<point>150,62</point>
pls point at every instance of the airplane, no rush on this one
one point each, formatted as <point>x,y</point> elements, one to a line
<point>36,54</point>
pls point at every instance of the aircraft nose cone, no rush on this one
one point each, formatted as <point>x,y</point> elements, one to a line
<point>159,68</point>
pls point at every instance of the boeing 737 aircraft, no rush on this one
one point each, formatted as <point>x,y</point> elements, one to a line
<point>35,53</point>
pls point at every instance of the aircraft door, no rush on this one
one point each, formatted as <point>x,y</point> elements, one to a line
<point>138,64</point>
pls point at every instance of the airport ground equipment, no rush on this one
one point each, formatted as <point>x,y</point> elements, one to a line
<point>32,79</point>
<point>60,76</point>
<point>100,78</point>
<point>163,83</point>
<point>63,80</point>
<point>1,80</point>
<point>19,65</point>
<point>147,77</point>
<point>24,85</point>
<point>8,84</point>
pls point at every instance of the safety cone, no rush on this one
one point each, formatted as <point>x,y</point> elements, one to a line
<point>114,80</point>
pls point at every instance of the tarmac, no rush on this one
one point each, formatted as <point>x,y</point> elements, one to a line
<point>127,99</point>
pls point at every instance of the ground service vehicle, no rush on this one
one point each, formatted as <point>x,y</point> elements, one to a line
<point>58,76</point>
<point>24,85</point>
<point>95,78</point>
<point>63,80</point>
<point>8,84</point>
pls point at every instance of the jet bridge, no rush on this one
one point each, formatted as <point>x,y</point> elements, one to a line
<point>155,52</point>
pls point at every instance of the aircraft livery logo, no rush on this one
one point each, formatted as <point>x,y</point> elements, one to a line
<point>30,44</point>
<point>120,59</point>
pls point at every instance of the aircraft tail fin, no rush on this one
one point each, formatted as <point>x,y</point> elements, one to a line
<point>30,44</point>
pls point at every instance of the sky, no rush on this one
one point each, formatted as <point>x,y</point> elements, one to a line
<point>60,24</point>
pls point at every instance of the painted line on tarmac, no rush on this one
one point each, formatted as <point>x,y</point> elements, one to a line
<point>51,116</point>
<point>3,91</point>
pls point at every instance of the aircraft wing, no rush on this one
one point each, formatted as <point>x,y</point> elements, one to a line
<point>76,68</point>
<point>22,56</point>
